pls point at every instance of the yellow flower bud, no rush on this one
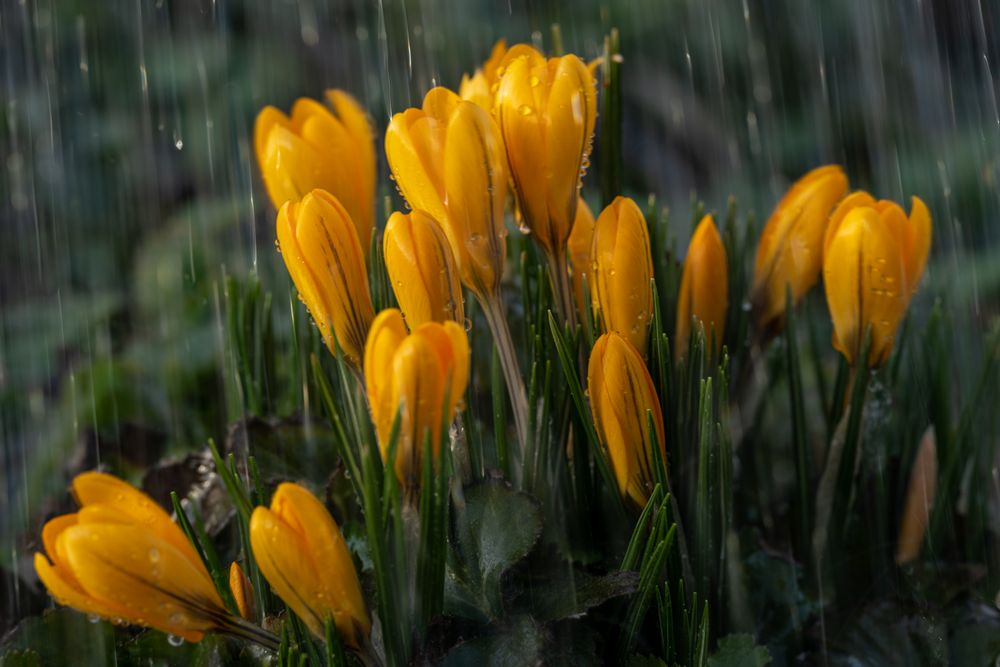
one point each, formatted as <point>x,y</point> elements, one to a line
<point>790,249</point>
<point>320,149</point>
<point>920,493</point>
<point>122,558</point>
<point>704,288</point>
<point>481,86</point>
<point>304,558</point>
<point>422,269</point>
<point>413,374</point>
<point>580,244</point>
<point>321,250</point>
<point>623,272</point>
<point>242,590</point>
<point>873,257</point>
<point>546,110</point>
<point>448,160</point>
<point>621,396</point>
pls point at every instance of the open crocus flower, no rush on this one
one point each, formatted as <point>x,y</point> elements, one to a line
<point>546,110</point>
<point>481,87</point>
<point>422,269</point>
<point>414,374</point>
<point>301,553</point>
<point>120,557</point>
<point>873,258</point>
<point>623,272</point>
<point>580,244</point>
<point>317,148</point>
<point>790,251</point>
<point>622,394</point>
<point>704,288</point>
<point>321,250</point>
<point>448,160</point>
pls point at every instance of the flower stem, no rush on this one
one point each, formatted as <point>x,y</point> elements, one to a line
<point>508,363</point>
<point>559,279</point>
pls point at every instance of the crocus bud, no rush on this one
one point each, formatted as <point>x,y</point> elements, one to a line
<point>482,86</point>
<point>920,494</point>
<point>546,110</point>
<point>790,252</point>
<point>580,244</point>
<point>873,258</point>
<point>321,250</point>
<point>242,590</point>
<point>320,149</point>
<point>121,558</point>
<point>448,160</point>
<point>422,269</point>
<point>621,396</point>
<point>304,558</point>
<point>704,288</point>
<point>623,272</point>
<point>420,375</point>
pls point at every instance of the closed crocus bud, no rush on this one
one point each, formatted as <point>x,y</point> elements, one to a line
<point>704,288</point>
<point>482,86</point>
<point>448,160</point>
<point>546,110</point>
<point>317,148</point>
<point>422,269</point>
<point>321,250</point>
<point>623,272</point>
<point>873,258</point>
<point>242,590</point>
<point>120,557</point>
<point>621,396</point>
<point>304,558</point>
<point>920,494</point>
<point>790,252</point>
<point>580,244</point>
<point>413,374</point>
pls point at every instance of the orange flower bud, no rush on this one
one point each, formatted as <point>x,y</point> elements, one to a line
<point>704,288</point>
<point>414,374</point>
<point>621,396</point>
<point>873,258</point>
<point>422,270</point>
<point>623,272</point>
<point>301,553</point>
<point>790,249</point>
<point>321,250</point>
<point>580,244</point>
<point>320,149</point>
<point>481,86</point>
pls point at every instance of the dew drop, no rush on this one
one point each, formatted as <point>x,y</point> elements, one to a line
<point>525,110</point>
<point>175,640</point>
<point>93,618</point>
<point>154,555</point>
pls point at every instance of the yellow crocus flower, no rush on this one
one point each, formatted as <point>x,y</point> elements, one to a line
<point>448,160</point>
<point>704,290</point>
<point>580,244</point>
<point>790,251</point>
<point>481,87</point>
<point>317,148</point>
<point>873,257</point>
<point>546,110</point>
<point>621,396</point>
<point>304,558</point>
<point>413,373</point>
<point>121,557</point>
<point>242,590</point>
<point>321,250</point>
<point>623,272</point>
<point>422,269</point>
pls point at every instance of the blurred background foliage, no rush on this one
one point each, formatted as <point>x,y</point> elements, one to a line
<point>129,193</point>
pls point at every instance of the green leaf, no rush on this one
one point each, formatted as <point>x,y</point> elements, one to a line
<point>739,651</point>
<point>568,592</point>
<point>519,642</point>
<point>61,638</point>
<point>495,529</point>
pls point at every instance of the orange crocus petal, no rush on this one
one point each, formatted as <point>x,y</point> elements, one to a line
<point>242,590</point>
<point>581,239</point>
<point>918,242</point>
<point>387,333</point>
